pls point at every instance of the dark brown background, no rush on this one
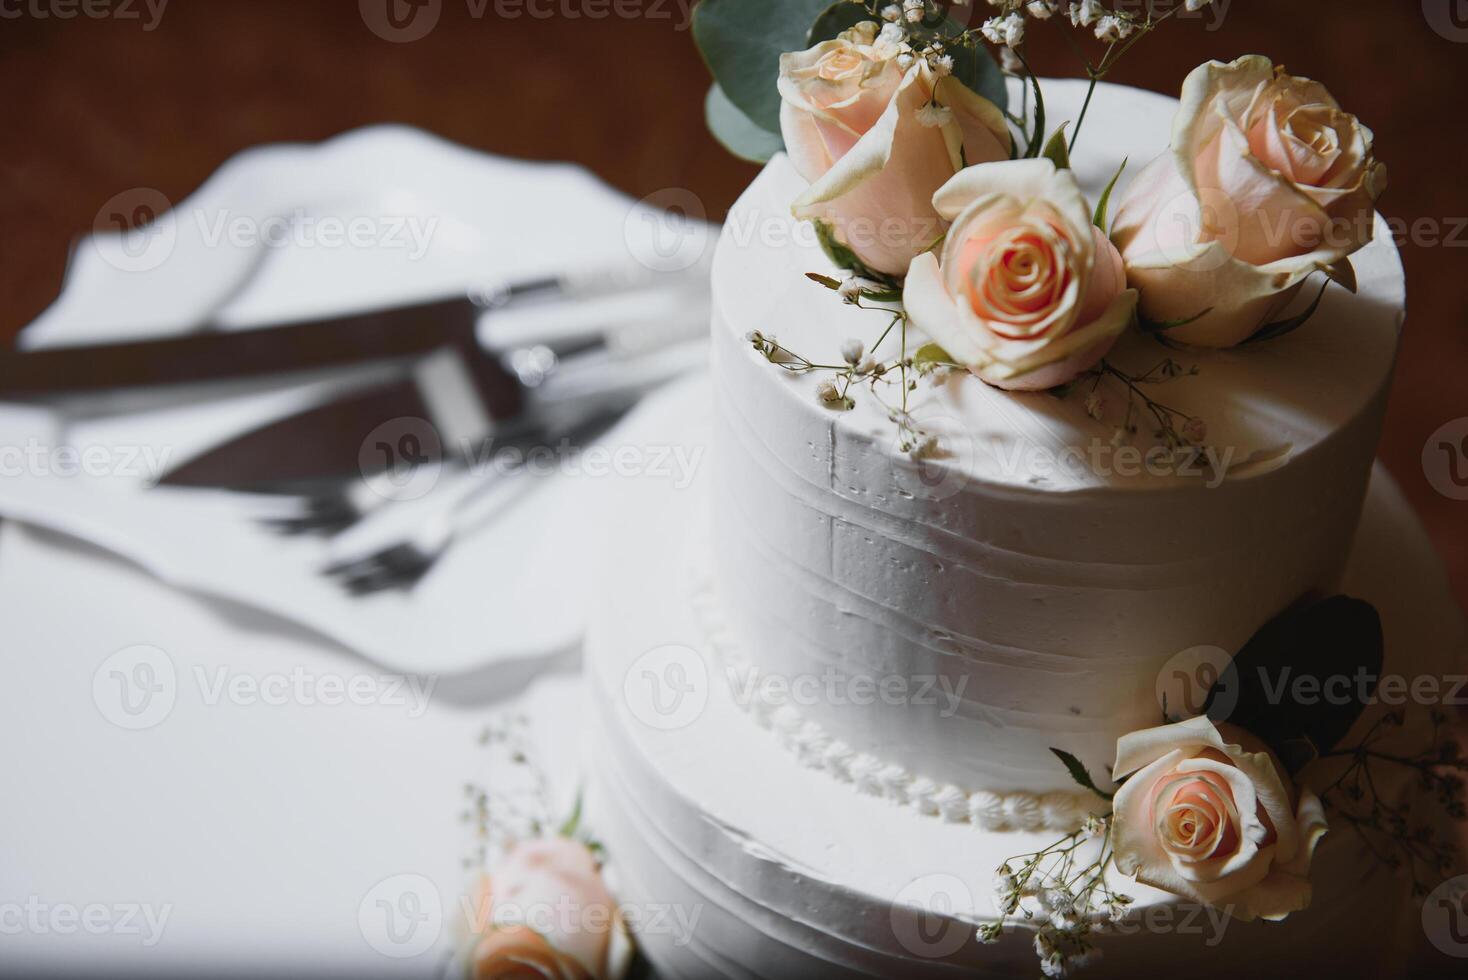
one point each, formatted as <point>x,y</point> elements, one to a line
<point>97,106</point>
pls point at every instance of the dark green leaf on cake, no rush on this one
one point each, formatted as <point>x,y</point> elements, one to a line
<point>1078,772</point>
<point>737,132</point>
<point>1302,681</point>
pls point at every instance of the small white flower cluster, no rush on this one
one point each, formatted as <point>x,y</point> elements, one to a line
<point>1062,952</point>
<point>1067,903</point>
<point>1007,29</point>
<point>894,42</point>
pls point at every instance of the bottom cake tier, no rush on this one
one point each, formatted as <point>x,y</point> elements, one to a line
<point>744,858</point>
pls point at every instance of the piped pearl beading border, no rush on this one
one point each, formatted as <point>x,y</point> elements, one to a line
<point>816,748</point>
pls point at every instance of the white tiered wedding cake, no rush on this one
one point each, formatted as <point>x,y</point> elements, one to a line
<point>829,685</point>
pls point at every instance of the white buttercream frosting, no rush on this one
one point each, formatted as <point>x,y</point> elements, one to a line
<point>1038,586</point>
<point>814,747</point>
<point>747,863</point>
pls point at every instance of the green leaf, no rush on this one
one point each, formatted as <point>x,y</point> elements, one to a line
<point>1056,150</point>
<point>1103,205</point>
<point>741,42</point>
<point>1281,327</point>
<point>736,131</point>
<point>882,295</point>
<point>843,256</point>
<point>1078,772</point>
<point>1162,326</point>
<point>1273,688</point>
<point>931,355</point>
<point>573,820</point>
<point>840,16</point>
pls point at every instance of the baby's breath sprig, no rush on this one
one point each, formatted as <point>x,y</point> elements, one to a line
<point>861,367</point>
<point>516,803</point>
<point>1063,887</point>
<point>1176,429</point>
<point>1120,29</point>
<point>1395,832</point>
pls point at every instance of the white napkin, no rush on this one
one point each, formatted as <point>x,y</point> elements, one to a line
<point>434,219</point>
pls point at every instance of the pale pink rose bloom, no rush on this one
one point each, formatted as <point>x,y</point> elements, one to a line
<point>1266,182</point>
<point>1215,821</point>
<point>1027,293</point>
<point>554,887</point>
<point>876,142</point>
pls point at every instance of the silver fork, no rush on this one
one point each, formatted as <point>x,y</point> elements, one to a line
<point>327,509</point>
<point>467,501</point>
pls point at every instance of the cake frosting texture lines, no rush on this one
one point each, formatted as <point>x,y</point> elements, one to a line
<point>813,746</point>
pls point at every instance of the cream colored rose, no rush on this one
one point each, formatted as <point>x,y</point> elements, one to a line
<point>1027,293</point>
<point>876,142</point>
<point>1213,821</point>
<point>546,909</point>
<point>1266,182</point>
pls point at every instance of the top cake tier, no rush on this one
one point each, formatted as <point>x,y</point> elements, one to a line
<point>949,620</point>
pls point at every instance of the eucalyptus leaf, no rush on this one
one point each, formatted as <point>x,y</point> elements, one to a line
<point>741,42</point>
<point>1103,205</point>
<point>736,131</point>
<point>1078,772</point>
<point>1302,681</point>
<point>840,16</point>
